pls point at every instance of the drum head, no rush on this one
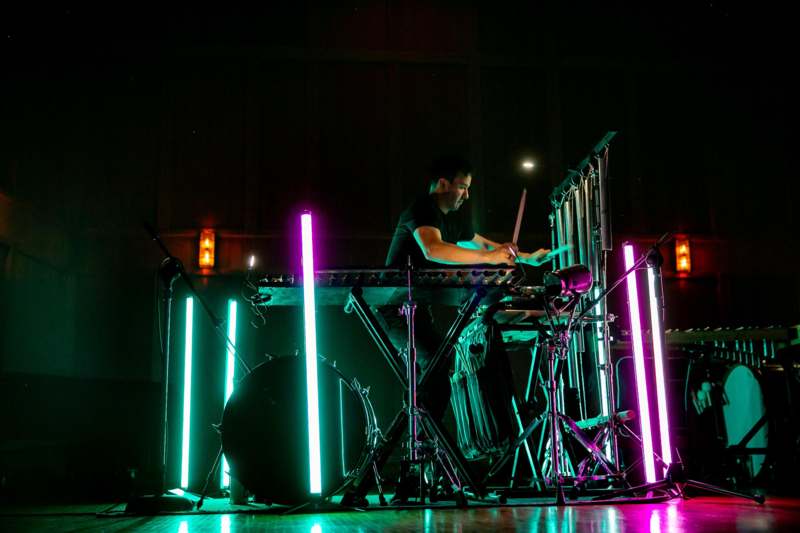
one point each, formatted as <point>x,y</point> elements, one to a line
<point>265,430</point>
<point>743,408</point>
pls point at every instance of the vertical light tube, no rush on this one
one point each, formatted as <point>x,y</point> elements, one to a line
<point>230,368</point>
<point>309,310</point>
<point>187,393</point>
<point>658,360</point>
<point>638,358</point>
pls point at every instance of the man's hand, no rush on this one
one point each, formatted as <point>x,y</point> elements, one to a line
<point>511,246</point>
<point>500,256</point>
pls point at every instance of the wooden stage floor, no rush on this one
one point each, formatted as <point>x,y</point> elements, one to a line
<point>700,514</point>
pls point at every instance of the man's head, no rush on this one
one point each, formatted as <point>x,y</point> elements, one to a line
<point>451,178</point>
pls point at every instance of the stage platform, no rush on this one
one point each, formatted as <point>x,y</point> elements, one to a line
<point>699,514</point>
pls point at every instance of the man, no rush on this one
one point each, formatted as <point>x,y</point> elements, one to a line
<point>434,231</point>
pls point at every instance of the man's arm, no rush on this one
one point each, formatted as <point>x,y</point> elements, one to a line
<point>482,243</point>
<point>435,249</point>
<point>537,258</point>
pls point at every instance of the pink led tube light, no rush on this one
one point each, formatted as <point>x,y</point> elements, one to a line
<point>658,360</point>
<point>638,358</point>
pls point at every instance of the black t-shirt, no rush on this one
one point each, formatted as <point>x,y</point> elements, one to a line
<point>455,226</point>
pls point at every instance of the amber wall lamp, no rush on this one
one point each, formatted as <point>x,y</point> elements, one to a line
<point>683,256</point>
<point>205,257</point>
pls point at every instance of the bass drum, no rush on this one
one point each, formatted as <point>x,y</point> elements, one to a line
<point>265,430</point>
<point>743,411</point>
<point>729,407</point>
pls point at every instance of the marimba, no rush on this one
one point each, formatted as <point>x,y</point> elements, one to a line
<point>385,286</point>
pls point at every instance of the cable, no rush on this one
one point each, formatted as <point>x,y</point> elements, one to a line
<point>260,318</point>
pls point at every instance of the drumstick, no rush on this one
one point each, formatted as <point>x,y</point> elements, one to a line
<point>560,249</point>
<point>519,215</point>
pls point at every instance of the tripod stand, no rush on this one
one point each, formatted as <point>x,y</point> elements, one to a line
<point>559,424</point>
<point>554,469</point>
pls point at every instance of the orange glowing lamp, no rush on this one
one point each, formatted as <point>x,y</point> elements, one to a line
<point>683,256</point>
<point>206,255</point>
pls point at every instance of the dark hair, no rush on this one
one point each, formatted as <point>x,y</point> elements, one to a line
<point>448,167</point>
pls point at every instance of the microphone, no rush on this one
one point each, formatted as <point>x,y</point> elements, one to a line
<point>572,280</point>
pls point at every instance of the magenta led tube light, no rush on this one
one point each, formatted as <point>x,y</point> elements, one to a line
<point>658,361</point>
<point>638,358</point>
<point>309,312</point>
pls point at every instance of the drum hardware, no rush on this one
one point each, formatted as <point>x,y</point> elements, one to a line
<point>553,468</point>
<point>560,424</point>
<point>474,439</point>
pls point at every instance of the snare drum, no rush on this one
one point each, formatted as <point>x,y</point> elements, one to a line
<point>265,432</point>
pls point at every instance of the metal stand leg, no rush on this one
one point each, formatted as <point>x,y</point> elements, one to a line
<point>675,482</point>
<point>553,417</point>
<point>379,483</point>
<point>210,475</point>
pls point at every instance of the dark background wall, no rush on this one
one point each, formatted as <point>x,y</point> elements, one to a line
<point>238,119</point>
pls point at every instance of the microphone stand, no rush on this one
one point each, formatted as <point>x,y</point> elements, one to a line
<point>169,271</point>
